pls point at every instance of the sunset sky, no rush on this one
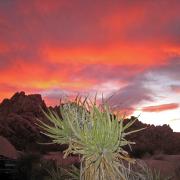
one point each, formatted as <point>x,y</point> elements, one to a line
<point>129,48</point>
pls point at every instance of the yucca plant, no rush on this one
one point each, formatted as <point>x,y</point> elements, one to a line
<point>93,132</point>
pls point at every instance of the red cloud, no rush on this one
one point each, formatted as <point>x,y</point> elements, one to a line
<point>162,107</point>
<point>3,48</point>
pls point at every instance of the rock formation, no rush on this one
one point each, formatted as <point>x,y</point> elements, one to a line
<point>19,114</point>
<point>17,119</point>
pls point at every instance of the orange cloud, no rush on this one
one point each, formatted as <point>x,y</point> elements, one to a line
<point>35,77</point>
<point>115,55</point>
<point>162,107</point>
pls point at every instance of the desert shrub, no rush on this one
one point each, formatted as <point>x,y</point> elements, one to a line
<point>91,131</point>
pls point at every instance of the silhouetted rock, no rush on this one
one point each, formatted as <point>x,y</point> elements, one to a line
<point>17,119</point>
<point>21,103</point>
<point>153,140</point>
<point>19,114</point>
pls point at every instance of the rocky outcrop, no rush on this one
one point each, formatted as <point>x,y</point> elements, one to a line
<point>19,114</point>
<point>23,104</point>
<point>17,119</point>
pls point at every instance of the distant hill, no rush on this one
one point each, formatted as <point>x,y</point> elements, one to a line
<point>154,140</point>
<point>19,113</point>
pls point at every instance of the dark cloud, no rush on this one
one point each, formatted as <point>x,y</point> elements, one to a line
<point>129,97</point>
<point>171,69</point>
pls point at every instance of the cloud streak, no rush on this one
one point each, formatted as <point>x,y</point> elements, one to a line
<point>162,107</point>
